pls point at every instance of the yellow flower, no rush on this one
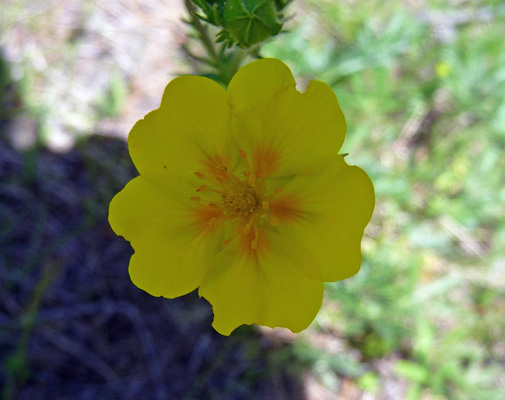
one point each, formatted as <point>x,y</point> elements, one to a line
<point>443,69</point>
<point>242,194</point>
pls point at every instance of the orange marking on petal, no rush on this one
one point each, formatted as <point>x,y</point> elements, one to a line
<point>286,209</point>
<point>206,217</point>
<point>254,244</point>
<point>266,160</point>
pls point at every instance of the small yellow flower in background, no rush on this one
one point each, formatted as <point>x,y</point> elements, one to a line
<point>443,69</point>
<point>242,194</point>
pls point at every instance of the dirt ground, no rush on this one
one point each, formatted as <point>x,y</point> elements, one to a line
<point>71,54</point>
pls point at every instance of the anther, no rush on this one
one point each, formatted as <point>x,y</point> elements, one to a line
<point>195,198</point>
<point>254,243</point>
<point>265,205</point>
<point>247,229</point>
<point>226,242</point>
<point>221,168</point>
<point>202,188</point>
<point>274,221</point>
<point>251,180</point>
<point>220,179</point>
<point>212,221</point>
<point>213,205</point>
<point>199,175</point>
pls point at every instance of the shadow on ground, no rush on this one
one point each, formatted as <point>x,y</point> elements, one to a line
<point>73,326</point>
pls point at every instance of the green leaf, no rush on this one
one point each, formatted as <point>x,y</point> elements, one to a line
<point>412,371</point>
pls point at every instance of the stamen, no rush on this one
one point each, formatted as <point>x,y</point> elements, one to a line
<point>239,198</point>
<point>251,180</point>
<point>236,179</point>
<point>254,243</point>
<point>226,242</point>
<point>247,229</point>
<point>217,191</point>
<point>272,195</point>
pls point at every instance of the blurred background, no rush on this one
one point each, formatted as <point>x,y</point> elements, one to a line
<point>422,85</point>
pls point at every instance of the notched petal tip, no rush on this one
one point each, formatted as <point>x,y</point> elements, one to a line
<point>264,290</point>
<point>257,81</point>
<point>225,329</point>
<point>119,211</point>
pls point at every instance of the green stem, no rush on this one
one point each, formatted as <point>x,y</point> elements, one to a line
<point>237,58</point>
<point>204,35</point>
<point>17,362</point>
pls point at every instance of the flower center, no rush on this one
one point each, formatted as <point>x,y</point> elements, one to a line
<point>239,199</point>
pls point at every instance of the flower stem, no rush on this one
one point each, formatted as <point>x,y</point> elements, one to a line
<point>203,33</point>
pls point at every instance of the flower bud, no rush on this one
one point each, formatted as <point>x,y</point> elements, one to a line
<point>244,22</point>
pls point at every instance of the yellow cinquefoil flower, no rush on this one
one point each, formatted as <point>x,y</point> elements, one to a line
<point>242,194</point>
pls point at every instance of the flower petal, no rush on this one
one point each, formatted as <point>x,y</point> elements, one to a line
<point>187,132</point>
<point>284,132</point>
<point>172,240</point>
<point>328,213</point>
<point>257,82</point>
<point>268,288</point>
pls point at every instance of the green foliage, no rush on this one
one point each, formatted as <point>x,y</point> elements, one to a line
<point>10,98</point>
<point>426,121</point>
<point>110,103</point>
